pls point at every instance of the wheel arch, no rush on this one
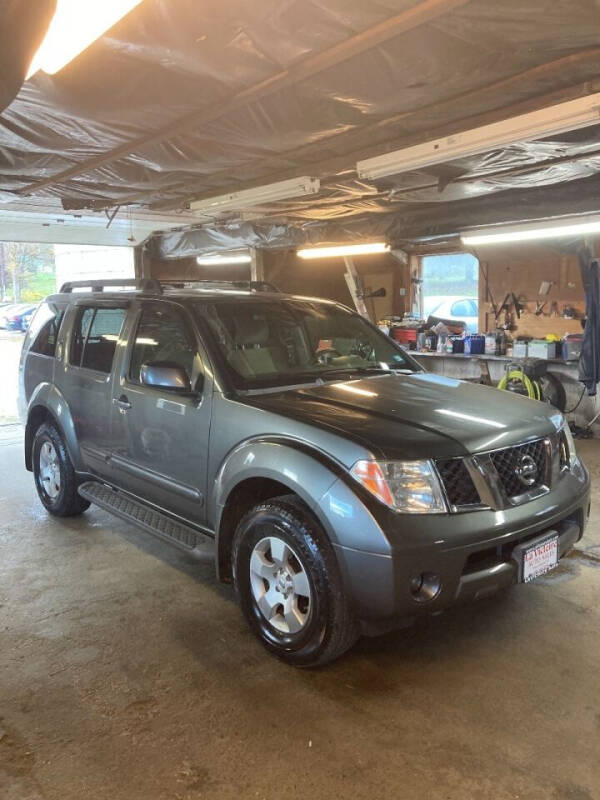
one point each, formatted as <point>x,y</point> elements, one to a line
<point>257,471</point>
<point>47,404</point>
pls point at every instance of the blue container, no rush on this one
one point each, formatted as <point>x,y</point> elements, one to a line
<point>458,344</point>
<point>475,344</point>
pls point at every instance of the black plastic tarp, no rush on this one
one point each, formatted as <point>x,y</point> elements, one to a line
<point>151,113</point>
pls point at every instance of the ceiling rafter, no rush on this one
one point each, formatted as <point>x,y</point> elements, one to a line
<point>407,20</point>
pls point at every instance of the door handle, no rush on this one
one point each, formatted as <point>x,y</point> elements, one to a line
<point>122,402</point>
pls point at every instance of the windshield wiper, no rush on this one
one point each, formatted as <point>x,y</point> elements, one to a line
<point>331,374</point>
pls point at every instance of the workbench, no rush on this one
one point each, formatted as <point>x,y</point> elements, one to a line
<point>470,367</point>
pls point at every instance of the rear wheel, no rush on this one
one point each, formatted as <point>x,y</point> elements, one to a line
<point>54,475</point>
<point>289,586</point>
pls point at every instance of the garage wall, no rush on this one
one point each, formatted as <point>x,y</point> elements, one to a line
<point>325,278</point>
<point>521,269</point>
<point>187,269</point>
<point>322,278</point>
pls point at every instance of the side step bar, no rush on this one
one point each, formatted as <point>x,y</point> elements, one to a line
<point>182,536</point>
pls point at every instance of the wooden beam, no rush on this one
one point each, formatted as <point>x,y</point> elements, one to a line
<point>407,20</point>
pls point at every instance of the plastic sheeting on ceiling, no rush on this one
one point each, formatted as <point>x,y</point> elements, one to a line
<point>182,100</point>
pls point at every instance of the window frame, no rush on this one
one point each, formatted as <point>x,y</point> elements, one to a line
<point>80,310</point>
<point>181,313</point>
<point>61,311</point>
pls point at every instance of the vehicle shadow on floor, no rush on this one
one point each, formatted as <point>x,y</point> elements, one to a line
<point>426,641</point>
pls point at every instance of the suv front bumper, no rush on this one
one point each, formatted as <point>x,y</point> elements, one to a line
<point>471,553</point>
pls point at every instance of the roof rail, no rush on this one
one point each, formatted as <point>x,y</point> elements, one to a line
<point>253,286</point>
<point>149,285</point>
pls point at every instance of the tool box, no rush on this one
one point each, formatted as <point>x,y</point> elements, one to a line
<point>571,346</point>
<point>541,348</point>
<point>520,349</point>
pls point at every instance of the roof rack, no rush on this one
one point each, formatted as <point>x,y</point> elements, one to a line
<point>149,285</point>
<point>252,286</point>
<point>153,286</point>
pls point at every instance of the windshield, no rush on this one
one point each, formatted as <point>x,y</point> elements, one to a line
<point>266,343</point>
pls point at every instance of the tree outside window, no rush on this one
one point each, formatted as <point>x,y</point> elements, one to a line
<point>27,271</point>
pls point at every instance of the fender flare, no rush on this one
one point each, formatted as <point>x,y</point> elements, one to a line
<point>322,483</point>
<point>302,469</point>
<point>305,470</point>
<point>48,397</point>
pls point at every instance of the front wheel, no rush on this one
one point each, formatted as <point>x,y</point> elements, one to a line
<point>288,583</point>
<point>54,475</point>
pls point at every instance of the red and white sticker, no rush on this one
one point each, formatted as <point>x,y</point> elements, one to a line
<point>540,558</point>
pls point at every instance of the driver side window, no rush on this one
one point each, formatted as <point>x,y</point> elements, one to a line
<point>162,338</point>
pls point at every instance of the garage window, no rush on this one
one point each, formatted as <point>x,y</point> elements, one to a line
<point>450,288</point>
<point>96,336</point>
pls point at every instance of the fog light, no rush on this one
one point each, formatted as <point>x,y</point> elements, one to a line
<point>425,587</point>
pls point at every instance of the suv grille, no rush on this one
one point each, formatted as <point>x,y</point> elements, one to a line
<point>520,469</point>
<point>459,487</point>
<point>508,461</point>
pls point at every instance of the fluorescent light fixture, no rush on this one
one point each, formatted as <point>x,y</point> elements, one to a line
<point>217,261</point>
<point>75,25</point>
<point>282,190</point>
<point>532,232</point>
<point>548,121</point>
<point>344,250</point>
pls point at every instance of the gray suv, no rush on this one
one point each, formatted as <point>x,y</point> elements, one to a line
<point>338,486</point>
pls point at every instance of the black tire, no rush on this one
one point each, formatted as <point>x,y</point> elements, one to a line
<point>554,391</point>
<point>67,502</point>
<point>330,628</point>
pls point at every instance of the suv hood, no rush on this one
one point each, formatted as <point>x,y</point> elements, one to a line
<point>419,415</point>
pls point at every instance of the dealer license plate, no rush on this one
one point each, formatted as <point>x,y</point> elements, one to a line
<point>539,558</point>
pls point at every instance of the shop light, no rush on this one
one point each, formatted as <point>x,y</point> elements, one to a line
<point>549,121</point>
<point>528,233</point>
<point>75,25</point>
<point>338,251</point>
<point>270,193</point>
<point>217,261</point>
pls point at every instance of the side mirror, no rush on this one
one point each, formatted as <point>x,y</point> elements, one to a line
<point>166,375</point>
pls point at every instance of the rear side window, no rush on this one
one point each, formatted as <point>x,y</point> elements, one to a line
<point>43,331</point>
<point>95,338</point>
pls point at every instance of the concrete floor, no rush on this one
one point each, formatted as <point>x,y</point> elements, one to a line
<point>127,672</point>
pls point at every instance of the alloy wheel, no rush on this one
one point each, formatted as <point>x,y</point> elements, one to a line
<point>49,470</point>
<point>280,585</point>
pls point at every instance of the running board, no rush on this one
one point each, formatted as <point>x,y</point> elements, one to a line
<point>182,536</point>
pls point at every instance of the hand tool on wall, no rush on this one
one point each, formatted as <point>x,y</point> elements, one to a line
<point>488,291</point>
<point>516,304</point>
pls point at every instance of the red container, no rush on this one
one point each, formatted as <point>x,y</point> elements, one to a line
<point>405,336</point>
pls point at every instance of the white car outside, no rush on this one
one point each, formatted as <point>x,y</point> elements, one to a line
<point>454,307</point>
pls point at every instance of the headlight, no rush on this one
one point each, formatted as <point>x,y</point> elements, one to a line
<point>571,452</point>
<point>411,487</point>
